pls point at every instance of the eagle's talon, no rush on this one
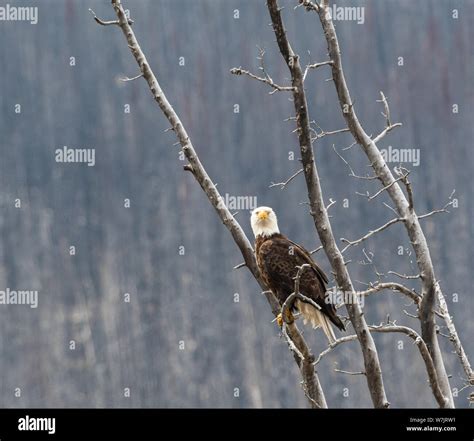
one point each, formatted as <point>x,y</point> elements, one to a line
<point>279,320</point>
<point>290,318</point>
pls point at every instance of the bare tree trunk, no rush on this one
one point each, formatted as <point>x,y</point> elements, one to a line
<point>403,206</point>
<point>319,212</point>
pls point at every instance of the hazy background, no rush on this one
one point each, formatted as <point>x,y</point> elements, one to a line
<point>189,298</point>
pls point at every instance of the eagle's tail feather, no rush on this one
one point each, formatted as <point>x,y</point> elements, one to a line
<point>317,319</point>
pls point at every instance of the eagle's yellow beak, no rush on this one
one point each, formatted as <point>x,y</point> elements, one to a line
<point>263,215</point>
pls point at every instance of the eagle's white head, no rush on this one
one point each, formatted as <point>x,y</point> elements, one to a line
<point>264,222</point>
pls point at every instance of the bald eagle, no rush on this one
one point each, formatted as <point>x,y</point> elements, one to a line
<point>278,259</point>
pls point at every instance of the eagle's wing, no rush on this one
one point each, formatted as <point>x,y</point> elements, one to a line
<point>279,266</point>
<point>280,257</point>
<point>308,259</point>
<point>318,294</point>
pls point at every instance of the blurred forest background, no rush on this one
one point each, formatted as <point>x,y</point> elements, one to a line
<point>182,340</point>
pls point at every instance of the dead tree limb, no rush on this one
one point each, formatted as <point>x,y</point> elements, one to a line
<point>283,185</point>
<point>319,212</point>
<point>412,295</point>
<point>344,339</point>
<point>351,243</point>
<point>313,388</point>
<point>424,352</point>
<point>267,80</point>
<point>454,337</point>
<point>443,401</point>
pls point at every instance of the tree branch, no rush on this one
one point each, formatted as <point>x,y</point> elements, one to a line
<point>351,243</point>
<point>404,276</point>
<point>440,210</point>
<point>349,372</point>
<point>107,23</point>
<point>266,80</point>
<point>386,187</point>
<point>315,66</point>
<point>389,126</point>
<point>454,337</point>
<point>394,287</point>
<point>442,400</point>
<point>309,5</point>
<point>283,185</point>
<point>335,344</point>
<point>425,354</point>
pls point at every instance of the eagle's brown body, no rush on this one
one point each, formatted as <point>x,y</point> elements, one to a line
<point>278,259</point>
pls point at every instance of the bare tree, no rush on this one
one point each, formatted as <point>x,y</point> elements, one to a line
<point>430,302</point>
